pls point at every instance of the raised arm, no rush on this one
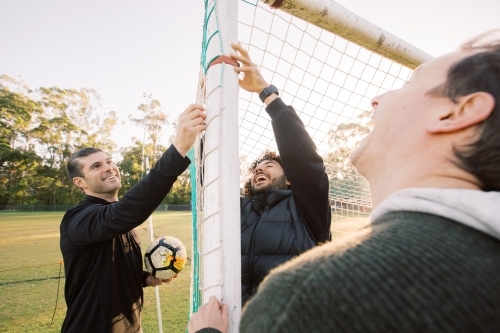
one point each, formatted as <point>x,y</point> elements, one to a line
<point>101,222</point>
<point>303,166</point>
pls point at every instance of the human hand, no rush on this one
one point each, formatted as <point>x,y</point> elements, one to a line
<point>211,314</point>
<point>252,80</point>
<point>190,123</point>
<point>152,281</point>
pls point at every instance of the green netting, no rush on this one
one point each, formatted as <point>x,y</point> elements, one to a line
<point>195,280</point>
<point>196,297</point>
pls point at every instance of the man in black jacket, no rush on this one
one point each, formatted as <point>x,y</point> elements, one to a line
<point>101,251</point>
<point>286,208</point>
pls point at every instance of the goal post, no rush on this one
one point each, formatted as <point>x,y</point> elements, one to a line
<point>332,17</point>
<point>327,63</point>
<point>216,158</point>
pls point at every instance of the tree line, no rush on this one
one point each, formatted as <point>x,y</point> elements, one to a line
<point>40,129</point>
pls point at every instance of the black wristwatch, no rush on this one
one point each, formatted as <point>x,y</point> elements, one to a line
<point>268,91</point>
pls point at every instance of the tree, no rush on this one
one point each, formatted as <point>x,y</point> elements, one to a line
<point>17,159</point>
<point>77,110</point>
<point>17,168</point>
<point>39,130</point>
<point>131,164</point>
<point>180,194</point>
<point>153,122</point>
<point>16,113</point>
<point>345,181</point>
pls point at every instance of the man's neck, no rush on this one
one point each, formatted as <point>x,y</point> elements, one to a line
<point>398,179</point>
<point>109,197</point>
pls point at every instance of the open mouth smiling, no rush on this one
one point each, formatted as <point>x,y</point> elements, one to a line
<point>260,178</point>
<point>110,178</point>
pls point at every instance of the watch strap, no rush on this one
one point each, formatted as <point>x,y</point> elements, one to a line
<point>268,91</point>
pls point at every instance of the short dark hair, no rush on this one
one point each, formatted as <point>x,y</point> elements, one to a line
<point>73,168</point>
<point>479,72</point>
<point>268,155</point>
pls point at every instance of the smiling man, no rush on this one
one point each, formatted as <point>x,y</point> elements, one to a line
<point>101,251</point>
<point>430,259</point>
<point>285,209</point>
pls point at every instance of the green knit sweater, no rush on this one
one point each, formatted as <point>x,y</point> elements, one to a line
<point>407,272</point>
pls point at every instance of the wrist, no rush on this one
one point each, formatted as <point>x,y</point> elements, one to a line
<point>269,94</point>
<point>181,151</point>
<point>145,279</point>
<point>270,99</point>
<point>262,88</point>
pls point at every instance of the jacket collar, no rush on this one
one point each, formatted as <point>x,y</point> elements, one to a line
<point>474,208</point>
<point>275,196</point>
<point>89,199</point>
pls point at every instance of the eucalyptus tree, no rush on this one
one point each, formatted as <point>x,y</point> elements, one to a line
<point>344,138</point>
<point>18,161</point>
<point>153,122</point>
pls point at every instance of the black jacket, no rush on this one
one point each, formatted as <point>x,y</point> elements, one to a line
<point>102,255</point>
<point>293,221</point>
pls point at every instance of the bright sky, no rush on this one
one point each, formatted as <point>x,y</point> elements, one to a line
<point>123,49</point>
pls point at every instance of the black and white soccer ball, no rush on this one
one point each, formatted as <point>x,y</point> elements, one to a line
<point>165,257</point>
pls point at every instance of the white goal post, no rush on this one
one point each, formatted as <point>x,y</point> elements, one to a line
<point>332,17</point>
<point>216,154</point>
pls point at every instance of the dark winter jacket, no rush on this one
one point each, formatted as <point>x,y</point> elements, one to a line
<point>102,255</point>
<point>292,221</point>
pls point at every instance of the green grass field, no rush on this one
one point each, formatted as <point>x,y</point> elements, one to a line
<point>29,271</point>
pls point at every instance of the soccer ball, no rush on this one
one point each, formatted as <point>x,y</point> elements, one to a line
<point>165,257</point>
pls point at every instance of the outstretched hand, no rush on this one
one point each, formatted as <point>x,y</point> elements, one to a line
<point>252,80</point>
<point>210,315</point>
<point>190,123</point>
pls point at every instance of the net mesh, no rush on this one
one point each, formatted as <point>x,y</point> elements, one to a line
<point>330,82</point>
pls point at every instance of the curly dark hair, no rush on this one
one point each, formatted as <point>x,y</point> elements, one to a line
<point>268,155</point>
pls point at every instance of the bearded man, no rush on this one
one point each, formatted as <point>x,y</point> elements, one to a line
<point>285,209</point>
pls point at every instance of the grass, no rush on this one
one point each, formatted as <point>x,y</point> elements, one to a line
<point>29,271</point>
<point>345,222</point>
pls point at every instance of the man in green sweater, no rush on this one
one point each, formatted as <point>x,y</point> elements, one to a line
<point>430,259</point>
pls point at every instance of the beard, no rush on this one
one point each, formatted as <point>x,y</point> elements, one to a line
<point>278,183</point>
<point>105,188</point>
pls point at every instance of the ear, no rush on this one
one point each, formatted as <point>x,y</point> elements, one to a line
<point>287,182</point>
<point>470,110</point>
<point>80,182</point>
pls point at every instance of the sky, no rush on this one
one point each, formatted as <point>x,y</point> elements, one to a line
<point>124,49</point>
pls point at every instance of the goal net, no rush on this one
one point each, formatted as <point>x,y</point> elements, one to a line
<point>327,63</point>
